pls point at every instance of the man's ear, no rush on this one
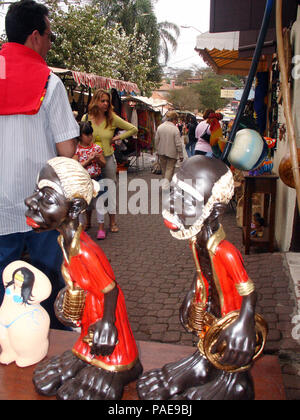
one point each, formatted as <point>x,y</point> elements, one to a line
<point>32,40</point>
<point>78,205</point>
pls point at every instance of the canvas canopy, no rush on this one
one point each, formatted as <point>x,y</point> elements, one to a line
<point>221,52</point>
<point>150,102</point>
<point>97,82</point>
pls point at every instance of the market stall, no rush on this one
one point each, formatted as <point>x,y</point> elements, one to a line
<point>79,86</point>
<point>146,114</point>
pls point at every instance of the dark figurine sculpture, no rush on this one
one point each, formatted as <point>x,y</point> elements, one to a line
<point>220,306</point>
<point>105,357</point>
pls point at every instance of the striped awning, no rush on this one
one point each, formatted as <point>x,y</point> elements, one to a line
<point>221,52</point>
<point>98,82</point>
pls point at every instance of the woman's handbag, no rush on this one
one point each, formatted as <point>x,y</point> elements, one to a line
<point>205,136</point>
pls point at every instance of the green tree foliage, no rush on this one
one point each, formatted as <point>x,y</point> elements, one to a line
<point>203,95</point>
<point>209,90</point>
<point>184,99</point>
<point>182,76</point>
<point>85,43</point>
<point>130,13</point>
<point>137,18</point>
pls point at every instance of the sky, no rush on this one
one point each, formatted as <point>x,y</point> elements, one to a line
<point>194,13</point>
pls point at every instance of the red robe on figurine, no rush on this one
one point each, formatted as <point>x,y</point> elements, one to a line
<point>91,271</point>
<point>230,276</point>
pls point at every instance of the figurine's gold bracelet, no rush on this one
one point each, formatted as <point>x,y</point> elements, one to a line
<point>73,304</point>
<point>245,289</point>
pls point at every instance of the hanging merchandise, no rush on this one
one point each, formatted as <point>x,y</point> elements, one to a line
<point>248,150</point>
<point>145,114</point>
<point>216,135</point>
<point>89,100</point>
<point>126,111</point>
<point>116,101</point>
<point>265,168</point>
<point>273,111</point>
<point>252,72</point>
<point>144,133</point>
<point>80,84</point>
<point>260,106</point>
<point>270,142</point>
<point>134,120</point>
<point>285,170</point>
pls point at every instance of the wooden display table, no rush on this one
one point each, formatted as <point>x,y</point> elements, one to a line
<point>16,383</point>
<point>265,184</point>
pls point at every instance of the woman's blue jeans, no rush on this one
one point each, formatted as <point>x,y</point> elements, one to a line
<point>190,148</point>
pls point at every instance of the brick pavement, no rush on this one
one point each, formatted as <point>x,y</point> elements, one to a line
<point>155,271</point>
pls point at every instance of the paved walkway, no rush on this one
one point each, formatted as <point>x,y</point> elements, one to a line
<point>155,271</point>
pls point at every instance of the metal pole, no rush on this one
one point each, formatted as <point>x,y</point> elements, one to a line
<point>251,75</point>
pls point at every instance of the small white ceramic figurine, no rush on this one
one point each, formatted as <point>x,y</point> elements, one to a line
<point>24,323</point>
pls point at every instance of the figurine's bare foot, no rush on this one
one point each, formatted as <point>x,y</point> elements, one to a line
<point>51,374</point>
<point>93,383</point>
<point>226,386</point>
<point>174,378</point>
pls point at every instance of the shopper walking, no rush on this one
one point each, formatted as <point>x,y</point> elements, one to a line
<point>192,140</point>
<point>168,146</point>
<point>203,135</point>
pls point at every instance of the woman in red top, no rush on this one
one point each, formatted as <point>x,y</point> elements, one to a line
<point>105,356</point>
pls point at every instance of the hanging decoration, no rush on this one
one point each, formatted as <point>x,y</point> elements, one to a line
<point>100,82</point>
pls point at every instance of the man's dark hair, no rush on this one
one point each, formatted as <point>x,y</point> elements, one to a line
<point>23,18</point>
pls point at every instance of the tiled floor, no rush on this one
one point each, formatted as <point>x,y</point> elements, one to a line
<point>293,260</point>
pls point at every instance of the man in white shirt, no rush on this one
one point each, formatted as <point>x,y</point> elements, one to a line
<point>36,124</point>
<point>168,146</point>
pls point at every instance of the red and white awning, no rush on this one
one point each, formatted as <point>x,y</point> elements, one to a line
<point>98,82</point>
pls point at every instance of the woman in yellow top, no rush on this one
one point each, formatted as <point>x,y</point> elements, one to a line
<point>105,122</point>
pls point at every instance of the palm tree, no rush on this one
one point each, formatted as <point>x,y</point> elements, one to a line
<point>131,12</point>
<point>128,13</point>
<point>168,38</point>
<point>135,15</point>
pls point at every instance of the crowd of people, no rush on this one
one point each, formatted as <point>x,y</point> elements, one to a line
<point>201,138</point>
